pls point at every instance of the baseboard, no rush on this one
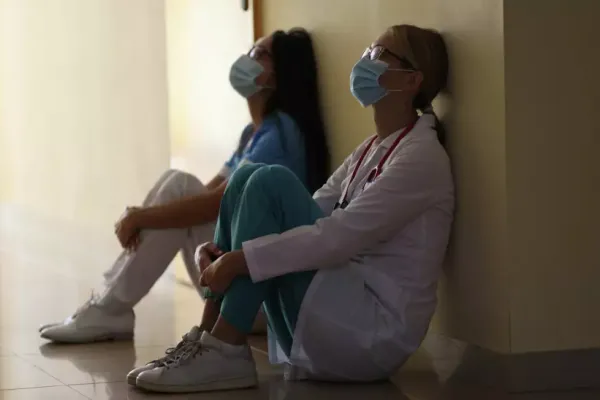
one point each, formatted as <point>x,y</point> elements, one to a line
<point>531,372</point>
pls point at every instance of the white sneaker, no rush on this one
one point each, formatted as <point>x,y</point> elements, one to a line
<point>204,365</point>
<point>172,352</point>
<point>91,323</point>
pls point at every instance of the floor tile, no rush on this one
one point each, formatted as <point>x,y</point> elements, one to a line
<point>47,393</point>
<point>87,368</point>
<point>269,388</point>
<point>21,341</point>
<point>47,271</point>
<point>113,391</point>
<point>18,374</point>
<point>569,395</point>
<point>426,386</point>
<point>73,367</point>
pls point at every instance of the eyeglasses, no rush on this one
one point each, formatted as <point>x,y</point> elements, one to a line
<point>257,52</point>
<point>375,52</point>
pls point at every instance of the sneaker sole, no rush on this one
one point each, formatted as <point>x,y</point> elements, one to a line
<point>108,337</point>
<point>44,327</point>
<point>230,384</point>
<point>131,380</point>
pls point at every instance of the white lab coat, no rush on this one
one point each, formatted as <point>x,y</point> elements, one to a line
<point>371,302</point>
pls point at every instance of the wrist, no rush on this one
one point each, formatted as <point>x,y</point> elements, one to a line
<point>241,266</point>
<point>141,218</point>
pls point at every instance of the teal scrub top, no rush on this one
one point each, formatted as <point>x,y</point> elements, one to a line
<point>277,141</point>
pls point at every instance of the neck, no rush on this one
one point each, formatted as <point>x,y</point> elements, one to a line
<point>256,105</point>
<point>388,122</point>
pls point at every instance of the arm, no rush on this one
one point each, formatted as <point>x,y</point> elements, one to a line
<point>204,207</point>
<point>183,213</point>
<point>408,186</point>
<point>216,182</point>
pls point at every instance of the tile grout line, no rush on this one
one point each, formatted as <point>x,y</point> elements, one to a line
<point>30,363</point>
<point>32,387</point>
<point>77,391</point>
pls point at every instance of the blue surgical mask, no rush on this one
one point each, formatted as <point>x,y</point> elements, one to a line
<point>364,81</point>
<point>243,74</point>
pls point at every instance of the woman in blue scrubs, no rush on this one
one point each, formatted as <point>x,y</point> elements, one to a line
<point>278,77</point>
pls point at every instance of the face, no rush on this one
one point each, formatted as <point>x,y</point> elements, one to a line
<point>261,52</point>
<point>407,80</point>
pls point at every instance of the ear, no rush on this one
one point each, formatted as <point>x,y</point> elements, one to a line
<point>415,80</point>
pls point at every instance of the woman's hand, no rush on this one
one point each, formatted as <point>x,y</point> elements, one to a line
<point>205,254</point>
<point>219,275</point>
<point>127,229</point>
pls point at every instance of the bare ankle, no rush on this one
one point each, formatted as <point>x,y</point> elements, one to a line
<point>229,334</point>
<point>210,314</point>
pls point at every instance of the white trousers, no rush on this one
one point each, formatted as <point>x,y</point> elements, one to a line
<point>133,274</point>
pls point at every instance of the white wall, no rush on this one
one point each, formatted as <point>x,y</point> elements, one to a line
<point>204,37</point>
<point>83,105</point>
<point>206,115</point>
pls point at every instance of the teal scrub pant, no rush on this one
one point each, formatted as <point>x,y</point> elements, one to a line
<point>262,200</point>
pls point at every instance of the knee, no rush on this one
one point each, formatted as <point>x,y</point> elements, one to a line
<point>182,176</point>
<point>184,181</point>
<point>241,175</point>
<point>271,176</point>
<point>166,175</point>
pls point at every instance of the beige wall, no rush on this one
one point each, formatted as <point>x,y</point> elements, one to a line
<point>204,37</point>
<point>524,265</point>
<point>553,171</point>
<point>83,105</point>
<point>84,130</point>
<point>474,306</point>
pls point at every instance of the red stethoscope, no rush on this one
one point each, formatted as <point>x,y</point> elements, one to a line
<point>375,172</point>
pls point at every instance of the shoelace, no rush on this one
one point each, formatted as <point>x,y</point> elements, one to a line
<point>172,352</point>
<point>188,352</point>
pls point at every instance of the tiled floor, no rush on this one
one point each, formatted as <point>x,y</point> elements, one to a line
<point>47,268</point>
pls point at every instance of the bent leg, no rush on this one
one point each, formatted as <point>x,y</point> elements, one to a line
<point>222,239</point>
<point>272,200</point>
<point>134,274</point>
<point>260,200</point>
<point>148,201</point>
<point>233,192</point>
<point>110,316</point>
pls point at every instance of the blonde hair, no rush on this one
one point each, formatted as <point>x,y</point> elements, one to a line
<point>426,51</point>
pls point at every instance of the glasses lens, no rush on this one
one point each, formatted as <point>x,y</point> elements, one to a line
<point>376,52</point>
<point>373,53</point>
<point>258,52</point>
<point>252,53</point>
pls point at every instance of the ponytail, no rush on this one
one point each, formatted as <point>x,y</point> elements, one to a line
<point>439,126</point>
<point>426,51</point>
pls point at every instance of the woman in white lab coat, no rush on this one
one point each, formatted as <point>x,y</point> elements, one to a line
<point>348,277</point>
